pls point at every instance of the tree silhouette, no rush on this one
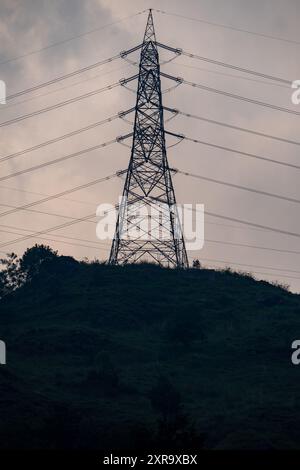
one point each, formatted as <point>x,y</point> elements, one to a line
<point>33,258</point>
<point>196,264</point>
<point>11,277</point>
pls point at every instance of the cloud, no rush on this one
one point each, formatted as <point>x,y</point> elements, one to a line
<point>31,25</point>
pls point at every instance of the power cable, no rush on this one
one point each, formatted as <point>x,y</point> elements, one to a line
<point>64,41</point>
<point>60,159</point>
<point>230,126</point>
<point>59,105</point>
<point>240,152</point>
<point>237,186</point>
<point>233,28</point>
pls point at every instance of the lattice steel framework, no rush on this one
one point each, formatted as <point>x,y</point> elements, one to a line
<point>148,225</point>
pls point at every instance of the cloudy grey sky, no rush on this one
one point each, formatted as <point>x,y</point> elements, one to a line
<point>27,27</point>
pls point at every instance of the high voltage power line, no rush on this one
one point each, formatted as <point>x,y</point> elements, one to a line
<point>206,240</point>
<point>244,222</point>
<point>239,97</point>
<point>85,218</point>
<point>252,224</point>
<point>104,249</point>
<point>60,105</point>
<point>26,206</point>
<point>15,209</point>
<point>210,144</point>
<point>233,28</point>
<point>62,193</point>
<point>62,77</point>
<point>62,88</point>
<point>60,159</point>
<point>237,186</point>
<point>100,246</point>
<point>26,191</point>
<point>124,55</point>
<point>51,229</point>
<point>240,152</point>
<point>231,75</point>
<point>225,64</point>
<point>180,80</point>
<point>54,235</point>
<point>255,266</point>
<point>77,36</point>
<point>238,68</point>
<point>256,247</point>
<point>222,242</point>
<point>228,263</point>
<point>58,139</point>
<point>231,126</point>
<point>111,118</point>
<point>68,75</point>
<point>236,227</point>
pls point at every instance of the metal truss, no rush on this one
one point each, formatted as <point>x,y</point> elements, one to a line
<point>148,225</point>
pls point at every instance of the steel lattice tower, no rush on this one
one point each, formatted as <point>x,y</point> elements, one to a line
<point>148,225</point>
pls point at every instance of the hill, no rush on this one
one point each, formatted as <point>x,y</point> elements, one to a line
<point>125,357</point>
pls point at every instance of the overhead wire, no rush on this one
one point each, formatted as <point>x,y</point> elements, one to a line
<point>62,193</point>
<point>231,126</point>
<point>59,105</point>
<point>233,28</point>
<point>242,153</point>
<point>58,160</point>
<point>179,51</point>
<point>249,272</point>
<point>231,75</point>
<point>237,186</point>
<point>237,68</point>
<point>62,77</point>
<point>77,36</point>
<point>59,138</point>
<point>62,88</point>
<point>239,97</point>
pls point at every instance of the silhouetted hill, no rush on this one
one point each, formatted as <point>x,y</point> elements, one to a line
<point>120,357</point>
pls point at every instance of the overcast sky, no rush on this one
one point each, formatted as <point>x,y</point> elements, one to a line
<point>27,27</point>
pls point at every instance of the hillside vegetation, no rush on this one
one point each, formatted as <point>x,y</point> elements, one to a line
<point>140,356</point>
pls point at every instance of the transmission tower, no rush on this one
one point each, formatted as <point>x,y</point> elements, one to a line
<point>148,225</point>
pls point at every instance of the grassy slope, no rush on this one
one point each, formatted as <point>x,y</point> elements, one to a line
<point>86,344</point>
